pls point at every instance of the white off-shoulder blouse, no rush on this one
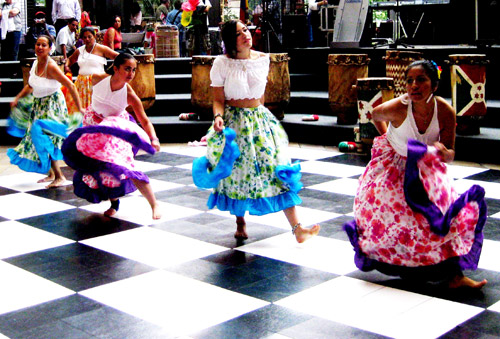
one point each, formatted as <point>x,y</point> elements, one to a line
<point>241,78</point>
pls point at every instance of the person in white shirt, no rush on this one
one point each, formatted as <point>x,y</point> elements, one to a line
<point>136,18</point>
<point>62,10</point>
<point>66,39</point>
<point>10,26</point>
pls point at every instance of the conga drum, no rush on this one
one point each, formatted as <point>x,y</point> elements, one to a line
<point>371,93</point>
<point>277,94</point>
<point>201,93</point>
<point>28,62</point>
<point>396,63</point>
<point>167,41</point>
<point>343,71</point>
<point>144,80</point>
<point>468,80</point>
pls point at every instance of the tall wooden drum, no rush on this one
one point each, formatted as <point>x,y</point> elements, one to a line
<point>468,80</point>
<point>371,93</point>
<point>28,62</point>
<point>343,72</point>
<point>201,92</point>
<point>167,41</point>
<point>277,95</point>
<point>144,80</point>
<point>396,63</point>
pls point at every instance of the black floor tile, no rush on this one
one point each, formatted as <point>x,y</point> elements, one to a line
<point>489,175</point>
<point>484,325</point>
<point>77,224</point>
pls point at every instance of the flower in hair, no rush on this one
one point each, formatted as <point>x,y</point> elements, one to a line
<point>438,68</point>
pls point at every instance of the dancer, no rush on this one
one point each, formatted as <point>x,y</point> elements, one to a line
<point>42,118</point>
<point>102,152</point>
<point>91,58</point>
<point>255,182</point>
<point>409,221</point>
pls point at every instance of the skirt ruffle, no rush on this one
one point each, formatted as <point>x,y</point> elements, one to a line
<point>43,123</point>
<point>102,156</point>
<point>250,173</point>
<point>408,218</point>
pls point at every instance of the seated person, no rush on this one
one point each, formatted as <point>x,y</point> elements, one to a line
<point>66,39</point>
<point>113,36</point>
<point>39,27</point>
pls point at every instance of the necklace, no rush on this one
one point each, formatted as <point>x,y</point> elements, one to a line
<point>89,53</point>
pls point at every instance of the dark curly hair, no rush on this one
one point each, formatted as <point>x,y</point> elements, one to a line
<point>430,68</point>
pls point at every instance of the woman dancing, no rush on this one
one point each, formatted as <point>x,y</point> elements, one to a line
<point>256,181</point>
<point>409,221</point>
<point>42,118</point>
<point>102,152</point>
<point>91,59</point>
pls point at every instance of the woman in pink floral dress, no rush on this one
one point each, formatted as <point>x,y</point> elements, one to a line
<point>102,152</point>
<point>408,219</point>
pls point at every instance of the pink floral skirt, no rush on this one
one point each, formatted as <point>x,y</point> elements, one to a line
<point>407,213</point>
<point>102,153</point>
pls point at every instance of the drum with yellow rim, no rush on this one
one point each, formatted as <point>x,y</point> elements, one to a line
<point>396,63</point>
<point>343,71</point>
<point>144,80</point>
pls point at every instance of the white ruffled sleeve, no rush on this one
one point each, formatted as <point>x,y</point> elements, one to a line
<point>218,72</point>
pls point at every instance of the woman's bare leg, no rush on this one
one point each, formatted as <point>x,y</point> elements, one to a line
<point>59,177</point>
<point>147,192</point>
<point>50,177</point>
<point>301,234</point>
<point>241,229</point>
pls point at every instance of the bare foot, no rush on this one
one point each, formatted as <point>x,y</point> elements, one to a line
<point>241,231</point>
<point>463,281</point>
<point>56,183</point>
<point>46,179</point>
<point>110,212</point>
<point>156,212</point>
<point>302,234</point>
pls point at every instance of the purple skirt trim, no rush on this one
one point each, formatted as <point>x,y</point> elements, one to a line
<point>418,200</point>
<point>86,165</point>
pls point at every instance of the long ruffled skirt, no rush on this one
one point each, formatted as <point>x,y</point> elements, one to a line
<point>42,123</point>
<point>247,165</point>
<point>102,154</point>
<point>83,84</point>
<point>409,217</point>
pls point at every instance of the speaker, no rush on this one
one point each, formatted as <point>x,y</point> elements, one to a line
<point>295,31</point>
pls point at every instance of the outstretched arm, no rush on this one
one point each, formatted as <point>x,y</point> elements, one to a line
<point>134,101</point>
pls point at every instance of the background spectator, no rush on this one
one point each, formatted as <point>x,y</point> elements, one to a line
<point>135,18</point>
<point>113,36</point>
<point>63,10</point>
<point>10,25</point>
<point>162,11</point>
<point>66,39</point>
<point>39,27</point>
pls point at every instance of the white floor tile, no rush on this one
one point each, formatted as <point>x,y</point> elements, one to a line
<point>184,306</point>
<point>158,186</point>
<point>20,288</point>
<point>492,189</point>
<point>17,238</point>
<point>342,186</point>
<point>194,152</point>
<point>495,307</point>
<point>325,254</point>
<point>14,206</point>
<point>459,172</point>
<point>154,247</point>
<point>490,255</point>
<point>330,168</point>
<point>306,153</point>
<point>188,166</point>
<point>145,166</point>
<point>382,310</point>
<point>307,217</point>
<point>25,181</point>
<point>136,209</point>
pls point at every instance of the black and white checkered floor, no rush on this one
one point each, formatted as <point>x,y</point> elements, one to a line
<point>66,271</point>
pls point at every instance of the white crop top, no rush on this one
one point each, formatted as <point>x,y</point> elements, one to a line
<point>241,78</point>
<point>107,102</point>
<point>398,136</point>
<point>90,63</point>
<point>42,86</point>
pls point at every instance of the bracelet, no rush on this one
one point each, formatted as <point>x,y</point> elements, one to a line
<point>218,115</point>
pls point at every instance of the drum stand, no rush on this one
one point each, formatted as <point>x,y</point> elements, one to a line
<point>267,28</point>
<point>397,29</point>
